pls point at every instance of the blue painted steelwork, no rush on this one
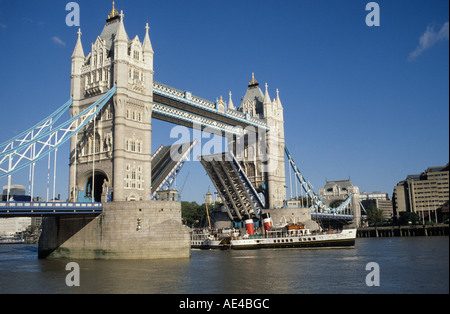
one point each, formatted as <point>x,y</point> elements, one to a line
<point>238,194</point>
<point>30,209</point>
<point>251,192</point>
<point>35,130</point>
<point>333,216</point>
<point>363,208</point>
<point>168,174</point>
<point>309,191</point>
<point>186,97</point>
<point>193,119</point>
<point>183,96</point>
<point>26,154</point>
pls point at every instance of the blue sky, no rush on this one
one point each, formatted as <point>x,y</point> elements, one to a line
<point>369,103</point>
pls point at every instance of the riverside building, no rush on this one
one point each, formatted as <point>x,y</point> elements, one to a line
<point>424,193</point>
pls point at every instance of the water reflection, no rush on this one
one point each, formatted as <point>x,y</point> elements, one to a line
<point>407,265</point>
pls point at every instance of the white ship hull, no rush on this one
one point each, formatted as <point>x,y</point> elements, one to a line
<point>208,242</point>
<point>346,238</point>
<point>291,239</point>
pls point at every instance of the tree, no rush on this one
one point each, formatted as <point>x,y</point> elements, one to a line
<point>193,214</point>
<point>409,218</point>
<point>305,201</point>
<point>336,204</point>
<point>374,215</point>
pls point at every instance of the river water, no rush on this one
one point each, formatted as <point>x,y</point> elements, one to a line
<point>406,265</point>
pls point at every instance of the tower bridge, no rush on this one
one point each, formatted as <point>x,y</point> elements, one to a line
<point>183,108</point>
<point>113,100</point>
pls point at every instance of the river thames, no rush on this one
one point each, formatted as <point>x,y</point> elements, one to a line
<point>407,265</point>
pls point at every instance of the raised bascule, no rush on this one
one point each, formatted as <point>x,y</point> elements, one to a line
<point>113,100</point>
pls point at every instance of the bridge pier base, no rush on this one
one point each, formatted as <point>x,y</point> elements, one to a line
<point>125,230</point>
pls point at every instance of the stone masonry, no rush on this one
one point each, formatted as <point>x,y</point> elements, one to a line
<point>125,230</point>
<point>115,151</point>
<point>112,156</point>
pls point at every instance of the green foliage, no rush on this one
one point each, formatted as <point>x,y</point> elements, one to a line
<point>374,215</point>
<point>336,204</point>
<point>193,214</point>
<point>407,218</point>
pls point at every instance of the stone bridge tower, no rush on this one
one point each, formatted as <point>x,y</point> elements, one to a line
<point>112,158</point>
<point>262,154</point>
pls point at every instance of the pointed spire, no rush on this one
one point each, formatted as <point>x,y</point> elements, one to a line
<point>113,13</point>
<point>230,103</point>
<point>278,98</point>
<point>78,51</point>
<point>253,82</point>
<point>147,46</point>
<point>121,34</point>
<point>266,96</point>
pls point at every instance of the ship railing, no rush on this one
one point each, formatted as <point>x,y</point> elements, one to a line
<point>298,233</point>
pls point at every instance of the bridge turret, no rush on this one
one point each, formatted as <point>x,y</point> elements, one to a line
<point>115,155</point>
<point>274,168</point>
<point>78,53</point>
<point>266,97</point>
<point>77,63</point>
<point>121,34</point>
<point>78,60</point>
<point>230,102</point>
<point>278,99</point>
<point>263,162</point>
<point>279,107</point>
<point>147,49</point>
<point>120,46</point>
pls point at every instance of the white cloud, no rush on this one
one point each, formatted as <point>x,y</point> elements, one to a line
<point>58,41</point>
<point>429,39</point>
